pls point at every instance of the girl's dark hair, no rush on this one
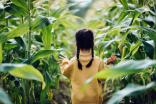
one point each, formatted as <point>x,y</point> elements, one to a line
<point>84,40</point>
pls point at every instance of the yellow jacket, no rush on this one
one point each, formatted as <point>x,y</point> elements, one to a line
<point>93,93</point>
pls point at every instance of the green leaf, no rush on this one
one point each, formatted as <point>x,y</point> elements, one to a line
<point>2,12</point>
<point>110,42</point>
<point>123,14</point>
<point>4,98</point>
<point>125,68</point>
<point>9,46</point>
<point>15,10</point>
<point>41,54</point>
<point>150,20</point>
<point>16,32</point>
<point>21,3</point>
<point>149,49</point>
<point>57,12</point>
<point>94,24</point>
<point>123,52</point>
<point>47,37</point>
<point>40,22</point>
<point>124,3</point>
<point>130,90</point>
<point>143,9</point>
<point>1,53</point>
<point>20,30</point>
<point>3,38</point>
<point>134,47</point>
<point>24,28</point>
<point>150,32</point>
<point>23,71</point>
<point>20,41</point>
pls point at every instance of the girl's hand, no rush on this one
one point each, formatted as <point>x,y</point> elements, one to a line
<point>111,59</point>
<point>61,58</point>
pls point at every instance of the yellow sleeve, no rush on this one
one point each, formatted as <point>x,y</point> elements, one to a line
<point>66,68</point>
<point>102,65</point>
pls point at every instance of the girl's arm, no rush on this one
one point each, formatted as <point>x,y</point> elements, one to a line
<point>66,67</point>
<point>106,65</point>
<point>103,65</point>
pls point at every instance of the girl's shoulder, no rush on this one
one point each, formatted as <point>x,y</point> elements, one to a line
<point>73,59</point>
<point>97,58</point>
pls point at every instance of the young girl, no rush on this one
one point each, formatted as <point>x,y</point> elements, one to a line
<point>83,66</point>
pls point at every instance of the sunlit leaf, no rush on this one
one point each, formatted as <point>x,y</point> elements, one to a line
<point>108,43</point>
<point>94,24</point>
<point>42,54</point>
<point>40,22</point>
<point>123,53</point>
<point>20,30</point>
<point>122,16</point>
<point>130,90</point>
<point>24,28</point>
<point>134,47</point>
<point>21,3</point>
<point>23,71</point>
<point>143,9</point>
<point>125,68</point>
<point>9,46</point>
<point>16,32</point>
<point>124,3</point>
<point>47,37</point>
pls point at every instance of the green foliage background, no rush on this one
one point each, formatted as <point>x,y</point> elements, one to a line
<point>34,32</point>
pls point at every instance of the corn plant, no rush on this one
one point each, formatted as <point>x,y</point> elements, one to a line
<point>28,41</point>
<point>34,32</point>
<point>129,33</point>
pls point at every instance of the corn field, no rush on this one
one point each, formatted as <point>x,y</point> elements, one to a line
<point>33,33</point>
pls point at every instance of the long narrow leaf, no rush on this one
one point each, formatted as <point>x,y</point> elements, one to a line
<point>47,37</point>
<point>150,32</point>
<point>125,68</point>
<point>130,90</point>
<point>124,3</point>
<point>134,47</point>
<point>20,30</point>
<point>41,54</point>
<point>23,71</point>
<point>21,3</point>
<point>40,23</point>
<point>24,28</point>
